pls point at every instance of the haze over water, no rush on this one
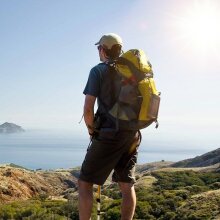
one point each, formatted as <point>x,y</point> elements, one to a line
<point>52,150</point>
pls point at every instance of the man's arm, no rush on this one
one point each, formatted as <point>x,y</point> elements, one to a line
<point>89,112</point>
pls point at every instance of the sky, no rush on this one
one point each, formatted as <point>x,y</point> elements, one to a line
<point>47,50</point>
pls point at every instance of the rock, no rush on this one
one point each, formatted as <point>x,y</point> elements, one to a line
<point>8,128</point>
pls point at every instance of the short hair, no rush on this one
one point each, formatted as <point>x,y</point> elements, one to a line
<point>114,52</point>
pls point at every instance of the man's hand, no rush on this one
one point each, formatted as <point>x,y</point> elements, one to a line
<point>89,113</point>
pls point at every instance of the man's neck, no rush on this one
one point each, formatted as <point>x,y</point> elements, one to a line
<point>104,59</point>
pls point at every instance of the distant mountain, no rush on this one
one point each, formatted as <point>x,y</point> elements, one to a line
<point>207,159</point>
<point>10,128</point>
<point>148,167</point>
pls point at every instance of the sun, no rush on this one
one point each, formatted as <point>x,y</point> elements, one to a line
<point>199,26</point>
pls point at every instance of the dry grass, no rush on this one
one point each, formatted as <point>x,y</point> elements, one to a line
<point>146,181</point>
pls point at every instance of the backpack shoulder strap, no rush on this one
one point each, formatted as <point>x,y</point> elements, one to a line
<point>113,95</point>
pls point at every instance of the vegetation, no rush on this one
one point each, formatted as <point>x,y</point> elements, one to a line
<point>180,195</point>
<point>39,210</point>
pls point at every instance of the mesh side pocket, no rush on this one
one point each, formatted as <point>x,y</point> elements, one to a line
<point>153,107</point>
<point>128,94</point>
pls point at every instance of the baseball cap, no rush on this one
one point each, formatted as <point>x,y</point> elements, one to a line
<point>108,40</point>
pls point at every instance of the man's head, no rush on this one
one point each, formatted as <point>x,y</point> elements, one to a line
<point>109,46</point>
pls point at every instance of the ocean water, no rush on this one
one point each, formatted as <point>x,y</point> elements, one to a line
<point>53,150</point>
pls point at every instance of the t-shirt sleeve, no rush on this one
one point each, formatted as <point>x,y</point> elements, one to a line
<point>93,83</point>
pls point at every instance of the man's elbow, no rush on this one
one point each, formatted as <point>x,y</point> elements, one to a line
<point>89,104</point>
<point>87,110</point>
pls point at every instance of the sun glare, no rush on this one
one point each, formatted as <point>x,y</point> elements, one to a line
<point>200,25</point>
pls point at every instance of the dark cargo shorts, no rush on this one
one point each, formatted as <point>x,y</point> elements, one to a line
<point>111,151</point>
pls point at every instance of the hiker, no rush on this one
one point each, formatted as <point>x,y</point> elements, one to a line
<point>111,148</point>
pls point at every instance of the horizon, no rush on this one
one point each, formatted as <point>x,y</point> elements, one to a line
<point>54,150</point>
<point>152,137</point>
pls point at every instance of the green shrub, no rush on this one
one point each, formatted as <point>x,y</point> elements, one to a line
<point>112,214</point>
<point>142,210</point>
<point>169,216</point>
<point>175,180</point>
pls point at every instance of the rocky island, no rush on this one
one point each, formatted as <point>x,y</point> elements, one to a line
<point>7,128</point>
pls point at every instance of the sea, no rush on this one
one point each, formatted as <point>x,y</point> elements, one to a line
<point>55,150</point>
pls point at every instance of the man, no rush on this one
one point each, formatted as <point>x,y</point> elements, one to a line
<point>111,148</point>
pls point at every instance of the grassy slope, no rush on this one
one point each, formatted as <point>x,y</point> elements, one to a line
<point>163,193</point>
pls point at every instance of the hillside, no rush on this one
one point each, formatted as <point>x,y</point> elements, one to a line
<point>163,192</point>
<point>205,205</point>
<point>207,159</point>
<point>174,194</point>
<point>7,128</point>
<point>23,184</point>
<point>147,167</point>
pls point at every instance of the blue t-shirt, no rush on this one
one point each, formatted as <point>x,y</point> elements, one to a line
<point>102,83</point>
<point>94,81</point>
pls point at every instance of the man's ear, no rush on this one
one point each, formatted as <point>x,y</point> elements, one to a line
<point>103,54</point>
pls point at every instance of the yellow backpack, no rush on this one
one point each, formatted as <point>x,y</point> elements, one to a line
<point>138,101</point>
